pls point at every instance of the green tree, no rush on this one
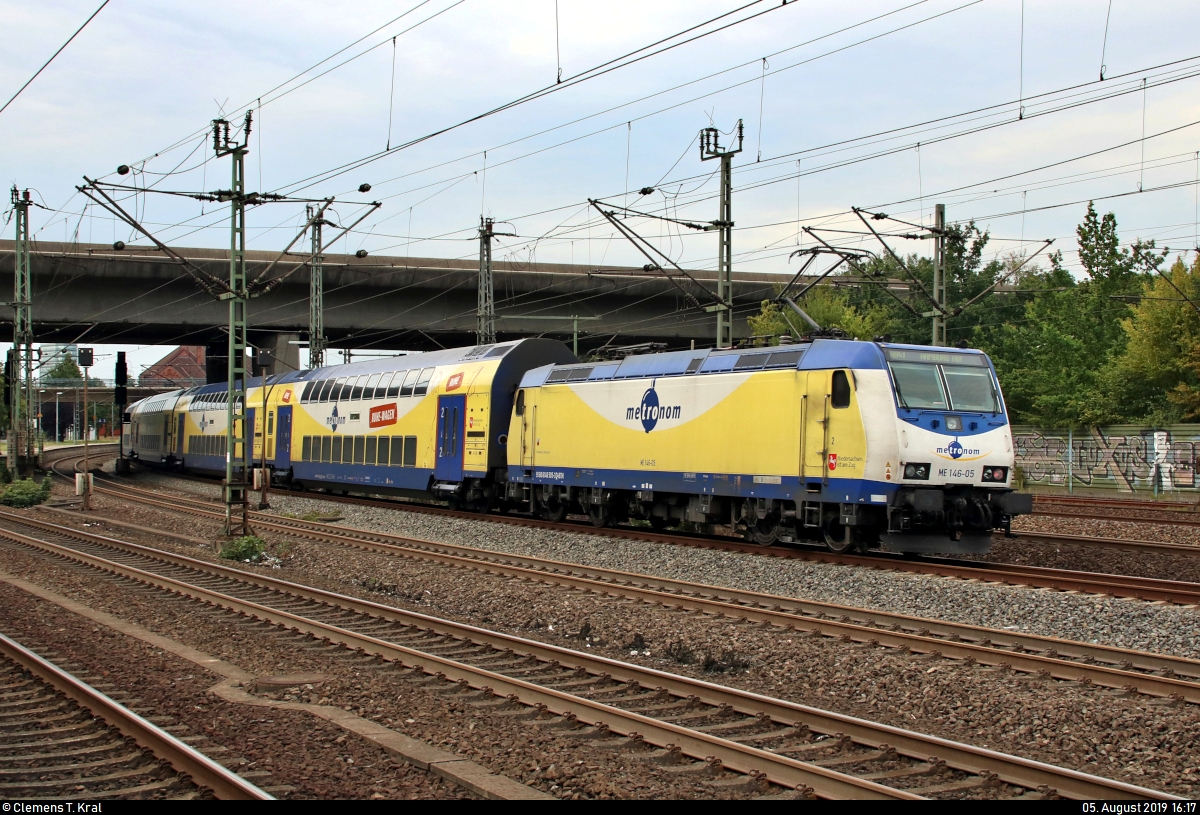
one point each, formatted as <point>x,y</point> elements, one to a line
<point>828,307</point>
<point>1057,363</point>
<point>65,372</point>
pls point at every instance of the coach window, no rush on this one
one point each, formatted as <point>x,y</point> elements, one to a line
<point>410,382</point>
<point>347,388</point>
<point>337,450</point>
<point>321,393</point>
<point>307,392</point>
<point>393,389</point>
<point>359,449</point>
<point>306,449</point>
<point>372,384</point>
<point>356,387</point>
<point>422,387</point>
<point>520,403</point>
<point>410,451</point>
<point>397,451</point>
<point>841,390</point>
<point>371,442</point>
<point>326,449</point>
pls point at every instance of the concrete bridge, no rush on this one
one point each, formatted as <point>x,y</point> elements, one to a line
<point>90,293</point>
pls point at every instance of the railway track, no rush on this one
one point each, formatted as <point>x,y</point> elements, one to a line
<point>1149,589</point>
<point>1131,671</point>
<point>1117,503</point>
<point>1142,588</point>
<point>65,739</point>
<point>771,740</point>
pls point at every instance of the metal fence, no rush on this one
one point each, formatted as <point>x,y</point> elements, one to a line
<point>1118,458</point>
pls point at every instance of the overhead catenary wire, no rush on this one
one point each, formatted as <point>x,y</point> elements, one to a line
<point>391,95</point>
<point>624,61</point>
<point>1104,45</point>
<point>410,234</point>
<point>53,56</point>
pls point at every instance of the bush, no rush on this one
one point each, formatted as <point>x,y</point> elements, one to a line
<point>248,548</point>
<point>25,493</point>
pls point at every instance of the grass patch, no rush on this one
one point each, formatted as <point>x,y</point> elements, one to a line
<point>248,549</point>
<point>25,493</point>
<point>319,517</point>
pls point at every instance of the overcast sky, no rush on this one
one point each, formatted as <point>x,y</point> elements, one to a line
<point>141,83</point>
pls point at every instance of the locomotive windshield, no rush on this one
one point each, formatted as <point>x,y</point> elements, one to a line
<point>940,381</point>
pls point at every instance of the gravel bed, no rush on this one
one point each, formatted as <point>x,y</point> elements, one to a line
<point>1086,618</point>
<point>1157,565</point>
<point>1110,528</point>
<point>1137,739</point>
<point>547,758</point>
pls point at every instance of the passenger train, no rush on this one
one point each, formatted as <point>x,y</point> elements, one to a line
<point>858,445</point>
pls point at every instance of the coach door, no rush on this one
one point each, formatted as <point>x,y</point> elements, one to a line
<point>179,436</point>
<point>255,436</point>
<point>283,438</point>
<point>451,416</point>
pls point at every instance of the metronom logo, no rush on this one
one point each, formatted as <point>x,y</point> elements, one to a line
<point>650,411</point>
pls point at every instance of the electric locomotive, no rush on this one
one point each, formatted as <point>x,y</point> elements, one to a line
<point>856,444</point>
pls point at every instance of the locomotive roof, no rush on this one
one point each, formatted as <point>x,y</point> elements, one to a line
<point>816,355</point>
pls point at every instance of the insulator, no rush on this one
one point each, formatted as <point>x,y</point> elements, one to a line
<point>123,169</point>
<point>119,245</point>
<point>361,253</point>
<point>364,187</point>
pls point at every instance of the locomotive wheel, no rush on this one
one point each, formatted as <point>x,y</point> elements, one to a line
<point>763,532</point>
<point>839,538</point>
<point>555,511</point>
<point>599,516</point>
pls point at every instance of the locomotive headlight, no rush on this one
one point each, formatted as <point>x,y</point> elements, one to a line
<point>954,422</point>
<point>917,472</point>
<point>995,474</point>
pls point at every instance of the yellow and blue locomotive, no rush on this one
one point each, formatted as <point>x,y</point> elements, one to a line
<point>857,444</point>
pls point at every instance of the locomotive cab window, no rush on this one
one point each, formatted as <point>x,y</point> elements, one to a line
<point>971,388</point>
<point>520,403</point>
<point>840,396</point>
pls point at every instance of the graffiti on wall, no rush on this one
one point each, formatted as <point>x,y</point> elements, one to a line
<point>1121,457</point>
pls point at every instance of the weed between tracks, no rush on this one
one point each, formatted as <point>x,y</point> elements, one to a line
<point>728,661</point>
<point>253,549</point>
